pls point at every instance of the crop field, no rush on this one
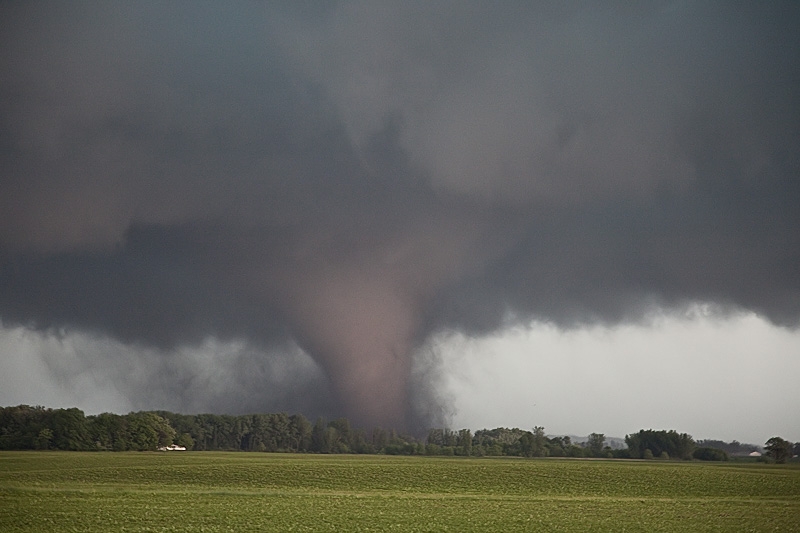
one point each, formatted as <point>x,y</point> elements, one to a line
<point>215,491</point>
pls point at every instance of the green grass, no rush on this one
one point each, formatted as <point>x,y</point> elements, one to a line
<point>61,491</point>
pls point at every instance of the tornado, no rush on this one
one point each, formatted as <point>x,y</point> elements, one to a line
<point>363,314</point>
<point>361,328</point>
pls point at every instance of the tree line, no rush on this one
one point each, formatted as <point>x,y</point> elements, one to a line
<point>38,428</point>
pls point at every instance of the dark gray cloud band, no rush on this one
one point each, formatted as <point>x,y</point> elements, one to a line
<point>355,176</point>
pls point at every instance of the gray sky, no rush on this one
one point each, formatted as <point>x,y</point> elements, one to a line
<point>388,210</point>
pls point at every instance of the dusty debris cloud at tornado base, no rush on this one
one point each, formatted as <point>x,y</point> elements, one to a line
<point>348,179</point>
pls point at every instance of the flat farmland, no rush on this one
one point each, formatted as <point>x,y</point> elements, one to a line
<point>215,491</point>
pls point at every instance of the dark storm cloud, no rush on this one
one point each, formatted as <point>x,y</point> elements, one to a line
<point>354,176</point>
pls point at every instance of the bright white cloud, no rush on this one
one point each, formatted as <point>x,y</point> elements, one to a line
<point>715,378</point>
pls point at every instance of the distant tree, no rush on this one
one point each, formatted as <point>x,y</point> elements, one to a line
<point>359,442</point>
<point>534,444</point>
<point>44,438</point>
<point>435,437</point>
<point>333,442</point>
<point>576,451</point>
<point>558,446</point>
<point>380,439</point>
<point>555,449</point>
<point>595,444</point>
<point>778,449</point>
<point>624,453</point>
<point>677,445</point>
<point>465,442</point>
<point>189,424</point>
<point>166,433</point>
<point>732,448</point>
<point>319,443</point>
<point>342,426</point>
<point>710,454</point>
<point>280,428</point>
<point>148,431</point>
<point>300,429</point>
<point>450,437</point>
<point>185,440</point>
<point>524,446</point>
<point>143,433</point>
<point>20,426</point>
<point>109,431</point>
<point>70,429</point>
<point>500,441</point>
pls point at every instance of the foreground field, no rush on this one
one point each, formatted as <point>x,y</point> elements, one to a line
<point>61,491</point>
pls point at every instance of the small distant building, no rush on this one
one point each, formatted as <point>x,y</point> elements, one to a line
<point>172,448</point>
<point>755,454</point>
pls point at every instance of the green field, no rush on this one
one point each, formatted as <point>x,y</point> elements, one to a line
<point>215,491</point>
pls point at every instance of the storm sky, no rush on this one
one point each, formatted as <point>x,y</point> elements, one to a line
<point>398,211</point>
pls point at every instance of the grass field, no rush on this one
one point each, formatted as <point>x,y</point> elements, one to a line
<point>62,491</point>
